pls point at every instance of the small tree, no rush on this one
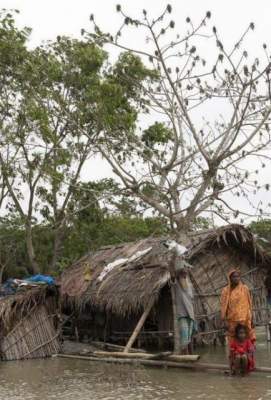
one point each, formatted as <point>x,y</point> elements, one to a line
<point>43,114</point>
<point>55,101</point>
<point>202,131</point>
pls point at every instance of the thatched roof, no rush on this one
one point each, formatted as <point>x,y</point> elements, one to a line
<point>128,287</point>
<point>13,307</point>
<point>20,302</point>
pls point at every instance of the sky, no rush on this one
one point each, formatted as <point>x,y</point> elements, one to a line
<point>49,18</point>
<point>53,17</point>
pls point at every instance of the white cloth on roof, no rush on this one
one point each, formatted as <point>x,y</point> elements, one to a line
<point>121,261</point>
<point>139,254</point>
<point>111,266</point>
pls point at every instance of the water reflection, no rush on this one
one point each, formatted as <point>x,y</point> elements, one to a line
<point>82,380</point>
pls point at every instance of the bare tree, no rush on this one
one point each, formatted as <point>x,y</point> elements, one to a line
<point>207,118</point>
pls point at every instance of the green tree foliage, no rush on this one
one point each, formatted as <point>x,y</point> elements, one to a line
<point>262,230</point>
<point>55,101</point>
<point>157,133</point>
<point>60,104</point>
<point>92,224</point>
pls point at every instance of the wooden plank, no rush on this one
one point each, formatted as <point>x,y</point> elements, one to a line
<point>183,357</point>
<point>149,356</point>
<point>162,355</point>
<point>162,363</point>
<point>166,333</point>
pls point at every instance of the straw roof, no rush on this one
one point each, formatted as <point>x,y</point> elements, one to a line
<point>13,307</point>
<point>128,287</point>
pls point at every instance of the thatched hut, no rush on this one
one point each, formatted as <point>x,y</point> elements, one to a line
<point>28,324</point>
<point>113,286</point>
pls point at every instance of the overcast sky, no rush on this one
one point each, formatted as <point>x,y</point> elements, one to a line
<point>49,18</point>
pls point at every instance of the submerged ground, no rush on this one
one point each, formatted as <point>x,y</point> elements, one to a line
<point>82,380</point>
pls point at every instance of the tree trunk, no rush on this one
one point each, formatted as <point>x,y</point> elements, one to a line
<point>59,235</point>
<point>57,245</point>
<point>34,267</point>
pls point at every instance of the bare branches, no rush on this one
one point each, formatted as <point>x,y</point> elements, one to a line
<point>218,114</point>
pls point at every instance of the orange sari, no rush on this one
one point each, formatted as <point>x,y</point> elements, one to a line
<point>236,308</point>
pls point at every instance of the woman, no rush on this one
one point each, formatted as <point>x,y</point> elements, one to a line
<point>236,306</point>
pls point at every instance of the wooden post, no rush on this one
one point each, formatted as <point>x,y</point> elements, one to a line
<point>172,271</point>
<point>177,346</point>
<point>139,325</point>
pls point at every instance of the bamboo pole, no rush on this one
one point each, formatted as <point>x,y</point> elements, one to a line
<point>183,358</point>
<point>172,271</point>
<point>148,356</point>
<point>162,363</point>
<point>139,325</point>
<point>177,346</point>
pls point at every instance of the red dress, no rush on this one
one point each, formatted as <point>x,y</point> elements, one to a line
<point>241,348</point>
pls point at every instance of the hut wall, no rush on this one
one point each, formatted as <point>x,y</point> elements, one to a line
<point>34,336</point>
<point>210,275</point>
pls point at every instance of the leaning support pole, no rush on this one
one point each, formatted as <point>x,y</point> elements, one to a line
<point>139,325</point>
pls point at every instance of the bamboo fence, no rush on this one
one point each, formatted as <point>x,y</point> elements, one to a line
<point>34,336</point>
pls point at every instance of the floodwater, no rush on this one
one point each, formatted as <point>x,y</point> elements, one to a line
<point>70,379</point>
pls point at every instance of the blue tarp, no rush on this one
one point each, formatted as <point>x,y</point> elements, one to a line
<point>41,278</point>
<point>11,286</point>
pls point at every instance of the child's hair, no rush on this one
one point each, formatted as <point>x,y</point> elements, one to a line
<point>239,328</point>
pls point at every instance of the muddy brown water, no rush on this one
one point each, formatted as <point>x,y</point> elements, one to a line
<point>82,380</point>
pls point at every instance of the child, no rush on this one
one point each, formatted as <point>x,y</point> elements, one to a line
<point>241,352</point>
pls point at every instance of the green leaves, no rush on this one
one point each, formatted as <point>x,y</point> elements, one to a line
<point>157,133</point>
<point>130,72</point>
